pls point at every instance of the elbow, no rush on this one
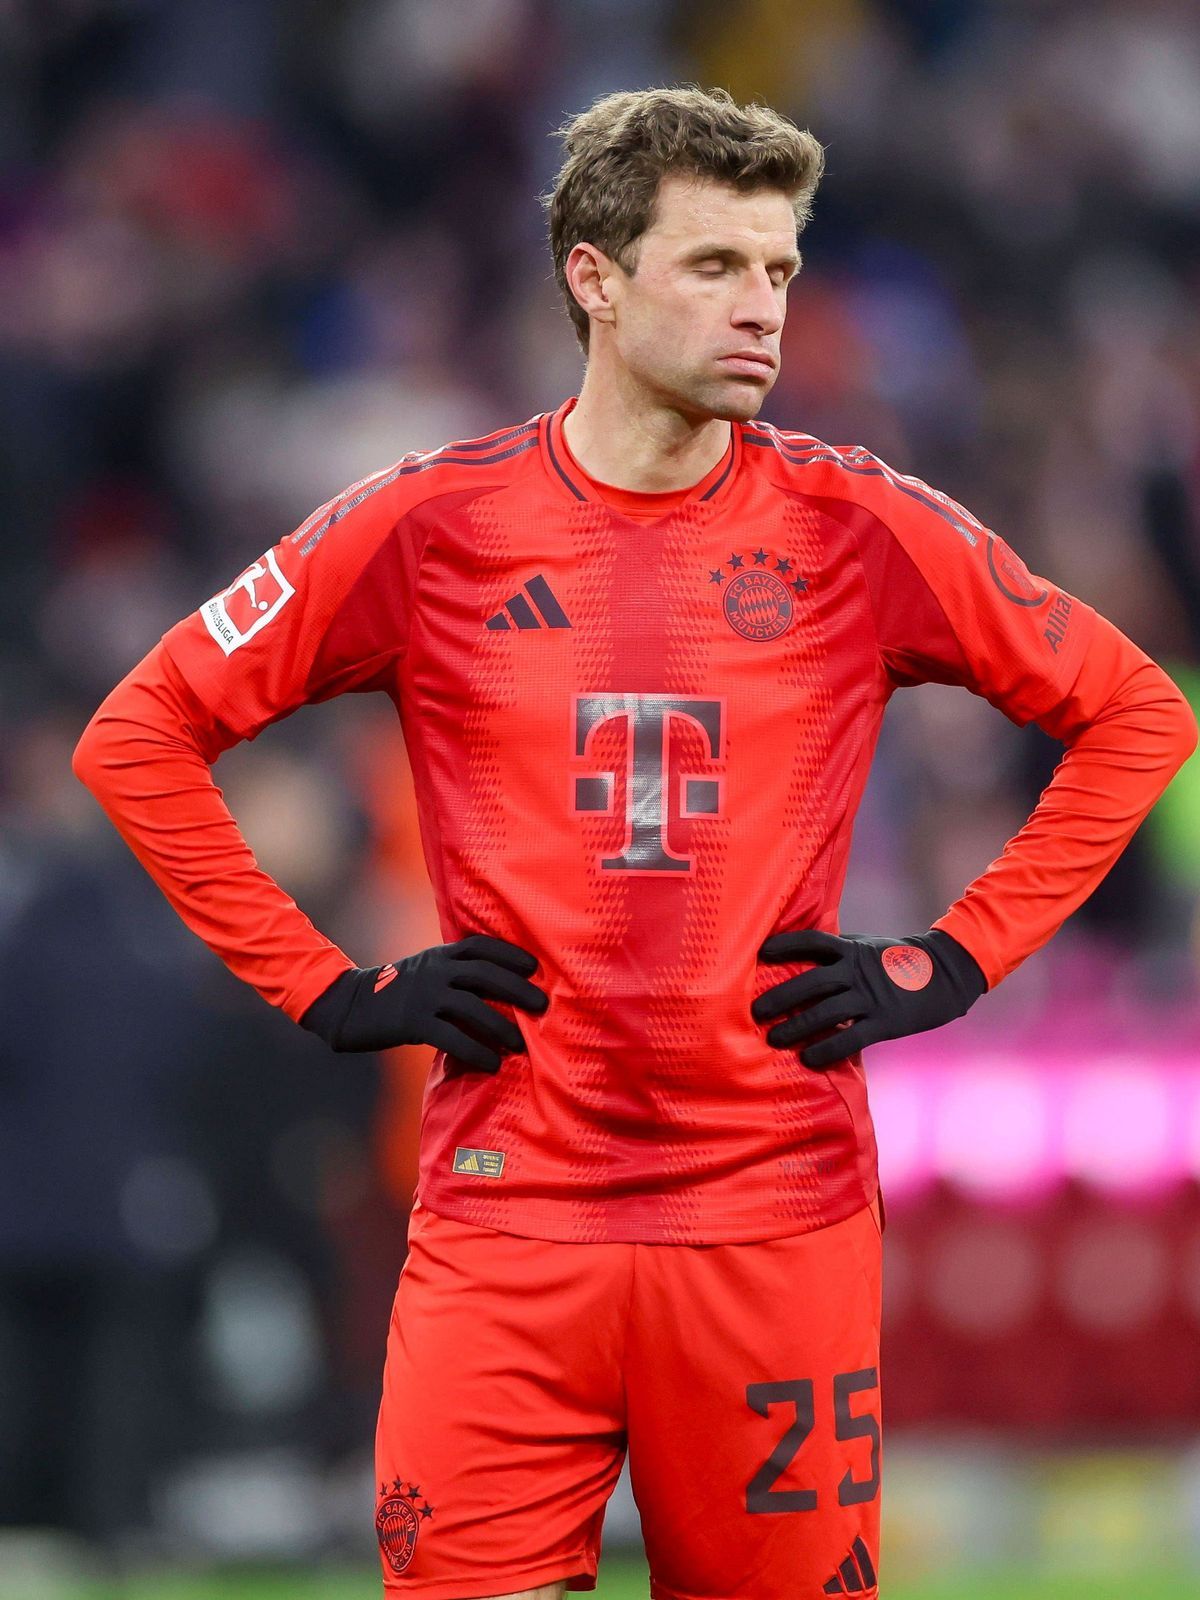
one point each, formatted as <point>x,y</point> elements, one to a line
<point>95,757</point>
<point>1165,717</point>
<point>126,727</point>
<point>1185,729</point>
<point>87,761</point>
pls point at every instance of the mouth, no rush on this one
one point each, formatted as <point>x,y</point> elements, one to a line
<point>754,363</point>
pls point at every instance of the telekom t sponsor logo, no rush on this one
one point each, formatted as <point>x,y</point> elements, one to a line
<point>649,804</point>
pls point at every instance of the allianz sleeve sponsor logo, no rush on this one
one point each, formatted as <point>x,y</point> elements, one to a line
<point>249,603</point>
<point>1055,630</point>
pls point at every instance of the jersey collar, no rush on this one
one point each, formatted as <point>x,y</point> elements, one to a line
<point>556,459</point>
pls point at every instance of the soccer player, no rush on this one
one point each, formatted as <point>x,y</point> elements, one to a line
<point>641,646</point>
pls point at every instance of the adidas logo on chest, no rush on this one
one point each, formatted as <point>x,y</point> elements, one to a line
<point>533,606</point>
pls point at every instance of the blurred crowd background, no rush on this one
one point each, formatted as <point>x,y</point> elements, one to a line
<point>251,250</point>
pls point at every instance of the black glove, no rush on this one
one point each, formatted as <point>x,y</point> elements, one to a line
<point>886,988</point>
<point>433,998</point>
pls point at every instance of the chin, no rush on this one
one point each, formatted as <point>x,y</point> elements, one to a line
<point>732,399</point>
<point>735,402</point>
<point>727,401</point>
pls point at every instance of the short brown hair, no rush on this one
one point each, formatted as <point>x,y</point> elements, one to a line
<point>620,148</point>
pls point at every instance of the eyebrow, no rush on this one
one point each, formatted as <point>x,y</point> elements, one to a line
<point>726,252</point>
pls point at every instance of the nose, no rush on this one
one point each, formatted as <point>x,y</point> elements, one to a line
<point>758,305</point>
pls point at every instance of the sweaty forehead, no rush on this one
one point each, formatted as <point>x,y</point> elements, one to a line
<point>691,208</point>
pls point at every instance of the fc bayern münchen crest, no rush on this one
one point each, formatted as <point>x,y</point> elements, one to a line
<point>759,597</point>
<point>397,1522</point>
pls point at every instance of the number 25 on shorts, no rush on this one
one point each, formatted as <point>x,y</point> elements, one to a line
<point>797,1394</point>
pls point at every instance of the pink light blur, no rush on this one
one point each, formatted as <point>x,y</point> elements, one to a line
<point>1009,1126</point>
<point>993,1129</point>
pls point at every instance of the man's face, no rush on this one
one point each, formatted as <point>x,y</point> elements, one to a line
<point>698,321</point>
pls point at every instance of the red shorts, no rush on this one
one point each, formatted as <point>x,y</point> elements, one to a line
<point>742,1379</point>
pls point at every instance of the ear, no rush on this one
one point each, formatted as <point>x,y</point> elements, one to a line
<point>589,274</point>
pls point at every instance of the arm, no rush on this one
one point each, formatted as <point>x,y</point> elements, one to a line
<point>953,604</point>
<point>145,756</point>
<point>1128,730</point>
<point>324,612</point>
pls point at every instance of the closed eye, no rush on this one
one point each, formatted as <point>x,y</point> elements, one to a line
<point>780,272</point>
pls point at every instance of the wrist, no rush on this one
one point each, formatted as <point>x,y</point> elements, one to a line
<point>330,1009</point>
<point>958,963</point>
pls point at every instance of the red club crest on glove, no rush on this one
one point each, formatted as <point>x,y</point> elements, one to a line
<point>907,966</point>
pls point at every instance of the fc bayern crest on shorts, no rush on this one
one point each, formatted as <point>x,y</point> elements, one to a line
<point>758,593</point>
<point>398,1521</point>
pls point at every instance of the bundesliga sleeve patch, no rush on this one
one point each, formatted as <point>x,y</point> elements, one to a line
<point>250,602</point>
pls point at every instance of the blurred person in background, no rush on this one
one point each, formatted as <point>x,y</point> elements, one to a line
<point>641,647</point>
<point>95,1294</point>
<point>142,1159</point>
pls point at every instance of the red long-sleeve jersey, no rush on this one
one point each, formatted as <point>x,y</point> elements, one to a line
<point>639,728</point>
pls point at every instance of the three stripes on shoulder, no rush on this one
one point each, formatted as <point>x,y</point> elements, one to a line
<point>534,606</point>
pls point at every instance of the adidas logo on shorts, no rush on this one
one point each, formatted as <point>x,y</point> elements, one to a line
<point>855,1575</point>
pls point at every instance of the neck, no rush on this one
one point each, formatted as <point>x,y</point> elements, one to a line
<point>623,436</point>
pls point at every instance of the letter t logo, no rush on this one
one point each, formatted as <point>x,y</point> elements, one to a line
<point>647,773</point>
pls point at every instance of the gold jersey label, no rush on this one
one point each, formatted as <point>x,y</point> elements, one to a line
<point>479,1163</point>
